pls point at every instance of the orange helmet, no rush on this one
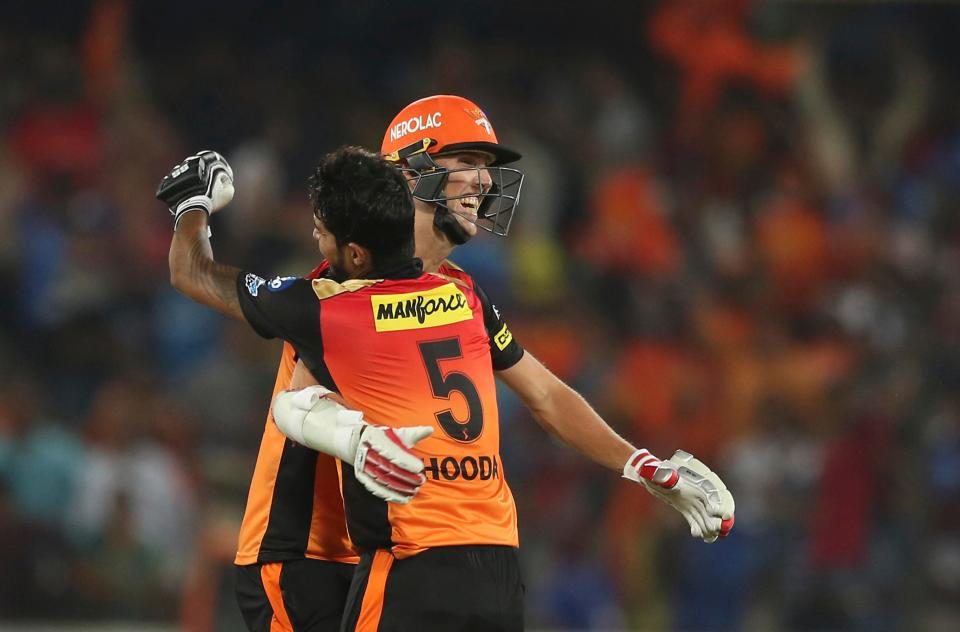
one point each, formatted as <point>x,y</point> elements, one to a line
<point>445,124</point>
<point>452,124</point>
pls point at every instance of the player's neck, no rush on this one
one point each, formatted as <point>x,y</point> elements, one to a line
<point>432,260</point>
<point>433,248</point>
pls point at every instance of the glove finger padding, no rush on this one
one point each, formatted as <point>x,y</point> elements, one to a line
<point>389,445</point>
<point>695,521</point>
<point>390,475</point>
<point>413,435</point>
<point>727,506</point>
<point>690,487</point>
<point>689,499</point>
<point>705,501</point>
<point>385,465</point>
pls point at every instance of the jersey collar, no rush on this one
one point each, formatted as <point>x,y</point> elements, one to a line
<point>406,269</point>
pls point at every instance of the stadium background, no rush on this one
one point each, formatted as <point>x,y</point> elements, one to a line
<point>738,235</point>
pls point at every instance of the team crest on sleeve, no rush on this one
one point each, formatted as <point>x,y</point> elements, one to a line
<point>280,283</point>
<point>253,283</point>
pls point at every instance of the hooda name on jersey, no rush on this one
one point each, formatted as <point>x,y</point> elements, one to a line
<point>418,310</point>
<point>468,468</point>
<point>415,124</point>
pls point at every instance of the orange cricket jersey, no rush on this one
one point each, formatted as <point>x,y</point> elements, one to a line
<point>294,506</point>
<point>417,349</point>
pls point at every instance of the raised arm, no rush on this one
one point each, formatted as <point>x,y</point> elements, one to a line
<point>200,185</point>
<point>194,272</point>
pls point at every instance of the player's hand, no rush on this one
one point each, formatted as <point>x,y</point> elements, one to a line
<point>690,487</point>
<point>381,456</point>
<point>203,181</point>
<point>385,465</point>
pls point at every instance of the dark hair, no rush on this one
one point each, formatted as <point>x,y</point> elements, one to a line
<point>362,198</point>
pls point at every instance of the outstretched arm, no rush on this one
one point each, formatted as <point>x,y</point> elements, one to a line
<point>682,481</point>
<point>564,413</point>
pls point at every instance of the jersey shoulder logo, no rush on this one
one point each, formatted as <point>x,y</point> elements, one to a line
<point>442,305</point>
<point>327,288</point>
<point>253,283</point>
<point>280,283</point>
<point>503,338</point>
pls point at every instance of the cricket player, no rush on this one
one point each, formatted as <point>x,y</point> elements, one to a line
<point>462,185</point>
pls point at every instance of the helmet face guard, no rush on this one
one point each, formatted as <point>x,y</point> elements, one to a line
<point>497,204</point>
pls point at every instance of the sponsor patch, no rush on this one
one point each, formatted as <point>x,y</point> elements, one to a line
<point>503,338</point>
<point>416,124</point>
<point>280,283</point>
<point>418,310</point>
<point>253,283</point>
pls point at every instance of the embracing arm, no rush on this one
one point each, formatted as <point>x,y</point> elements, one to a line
<point>381,457</point>
<point>683,482</point>
<point>193,271</point>
<point>564,413</point>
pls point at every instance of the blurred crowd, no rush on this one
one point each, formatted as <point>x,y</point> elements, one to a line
<point>738,236</point>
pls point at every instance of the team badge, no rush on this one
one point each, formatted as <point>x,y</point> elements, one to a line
<point>253,283</point>
<point>479,118</point>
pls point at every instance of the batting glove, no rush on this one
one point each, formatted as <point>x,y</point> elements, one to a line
<point>202,182</point>
<point>381,457</point>
<point>690,487</point>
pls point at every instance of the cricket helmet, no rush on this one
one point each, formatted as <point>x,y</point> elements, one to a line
<point>447,124</point>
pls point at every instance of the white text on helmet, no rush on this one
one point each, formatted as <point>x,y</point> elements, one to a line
<point>482,121</point>
<point>415,124</point>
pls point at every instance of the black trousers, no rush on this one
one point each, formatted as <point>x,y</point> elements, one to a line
<point>475,588</point>
<point>302,595</point>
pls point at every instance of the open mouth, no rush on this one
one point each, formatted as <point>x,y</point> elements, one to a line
<point>470,204</point>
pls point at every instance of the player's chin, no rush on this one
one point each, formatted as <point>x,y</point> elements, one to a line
<point>468,226</point>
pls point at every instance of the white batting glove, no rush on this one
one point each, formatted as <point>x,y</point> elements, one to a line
<point>690,487</point>
<point>385,465</point>
<point>381,456</point>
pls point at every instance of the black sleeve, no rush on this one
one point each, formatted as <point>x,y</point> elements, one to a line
<point>504,348</point>
<point>283,307</point>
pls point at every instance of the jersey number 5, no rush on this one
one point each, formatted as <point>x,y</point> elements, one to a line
<point>443,385</point>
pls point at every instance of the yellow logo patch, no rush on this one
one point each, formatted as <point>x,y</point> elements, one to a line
<point>503,338</point>
<point>418,310</point>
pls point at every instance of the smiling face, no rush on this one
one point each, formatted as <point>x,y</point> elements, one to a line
<point>464,188</point>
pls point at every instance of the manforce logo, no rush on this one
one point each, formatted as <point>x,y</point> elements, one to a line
<point>418,310</point>
<point>415,124</point>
